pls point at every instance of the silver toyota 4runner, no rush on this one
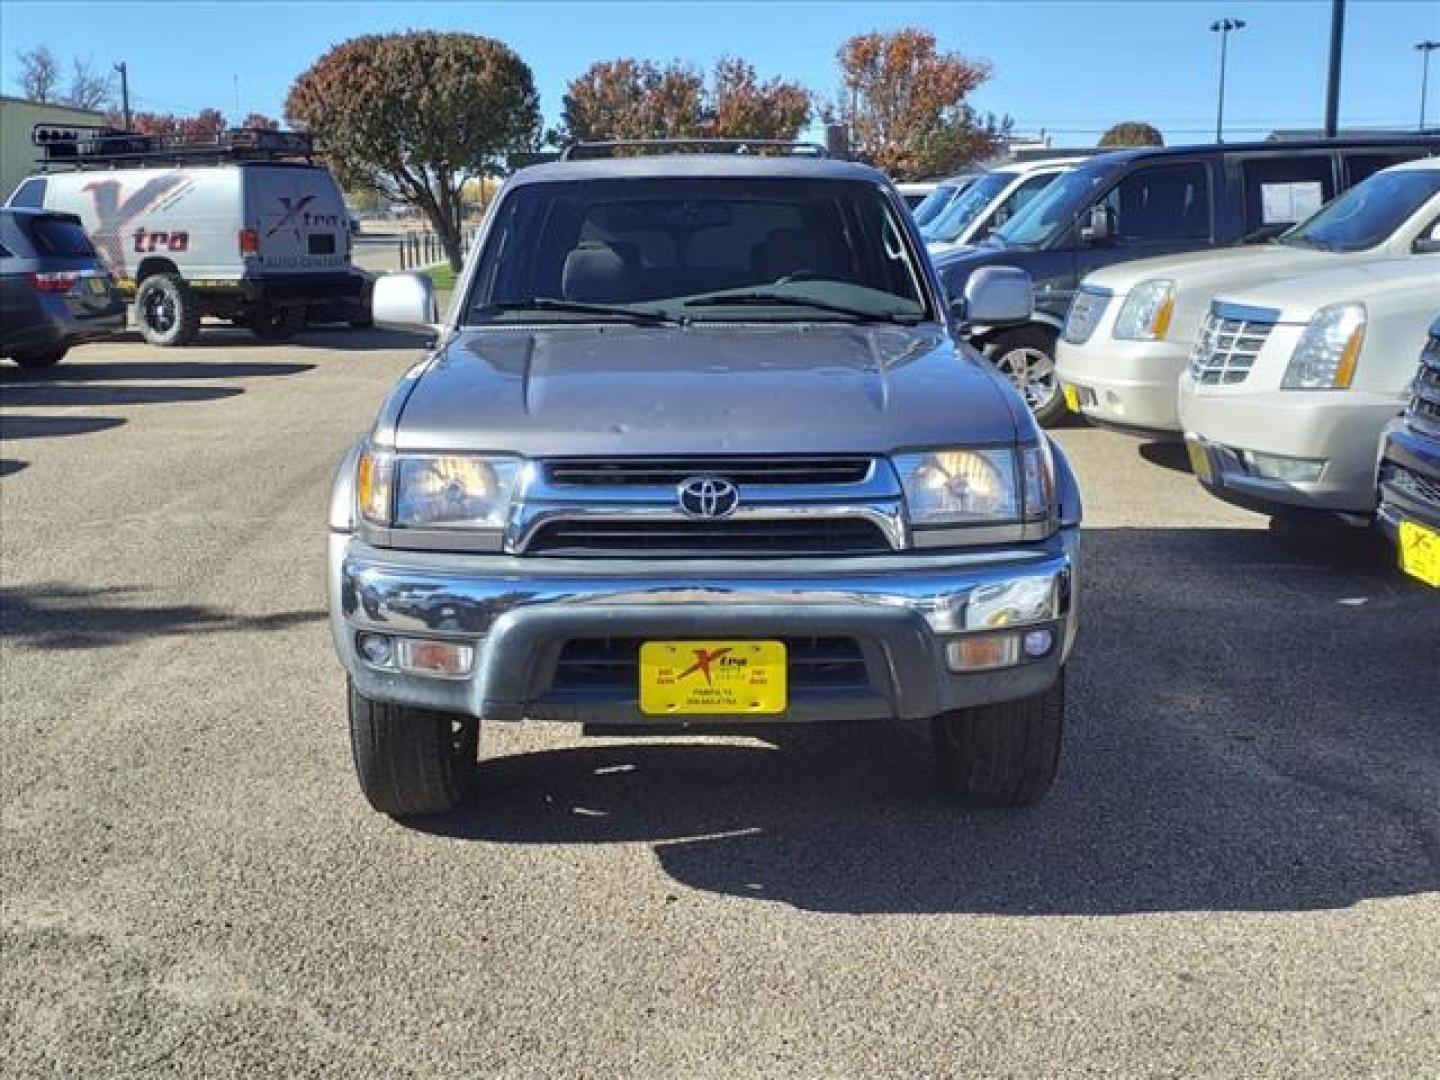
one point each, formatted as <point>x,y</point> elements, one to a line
<point>697,447</point>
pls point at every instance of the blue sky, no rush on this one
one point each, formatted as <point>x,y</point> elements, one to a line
<point>1071,67</point>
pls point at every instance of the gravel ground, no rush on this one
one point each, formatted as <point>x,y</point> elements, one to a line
<point>1236,875</point>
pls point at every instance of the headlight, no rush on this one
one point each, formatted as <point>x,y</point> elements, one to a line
<point>1146,313</point>
<point>1328,350</point>
<point>436,491</point>
<point>957,487</point>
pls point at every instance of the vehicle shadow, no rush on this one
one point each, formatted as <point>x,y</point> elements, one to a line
<point>1252,728</point>
<point>48,427</point>
<point>1167,455</point>
<point>223,336</point>
<point>10,466</point>
<point>122,370</point>
<point>57,616</point>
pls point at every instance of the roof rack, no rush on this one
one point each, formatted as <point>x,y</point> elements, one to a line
<point>582,150</point>
<point>79,145</point>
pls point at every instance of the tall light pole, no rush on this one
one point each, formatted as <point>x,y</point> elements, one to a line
<point>1332,82</point>
<point>124,92</point>
<point>1425,48</point>
<point>1223,27</point>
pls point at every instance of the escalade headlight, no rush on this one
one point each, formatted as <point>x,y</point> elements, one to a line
<point>1146,313</point>
<point>1328,350</point>
<point>993,486</point>
<point>462,491</point>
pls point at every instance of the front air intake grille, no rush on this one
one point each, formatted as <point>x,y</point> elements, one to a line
<point>1414,486</point>
<point>1226,349</point>
<point>699,539</point>
<point>1424,411</point>
<point>671,471</point>
<point>613,664</point>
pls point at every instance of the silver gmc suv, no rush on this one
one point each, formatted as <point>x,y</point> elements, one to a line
<point>697,447</point>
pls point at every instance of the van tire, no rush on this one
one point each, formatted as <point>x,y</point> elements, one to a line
<point>411,762</point>
<point>1026,356</point>
<point>41,358</point>
<point>167,312</point>
<point>1000,755</point>
<point>275,323</point>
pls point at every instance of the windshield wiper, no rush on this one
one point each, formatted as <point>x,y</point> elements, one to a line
<point>553,303</point>
<point>774,299</point>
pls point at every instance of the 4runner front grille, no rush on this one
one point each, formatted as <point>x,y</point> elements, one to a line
<point>578,537</point>
<point>1226,349</point>
<point>670,471</point>
<point>609,664</point>
<point>1424,411</point>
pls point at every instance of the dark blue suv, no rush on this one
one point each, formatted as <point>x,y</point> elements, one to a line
<point>1410,472</point>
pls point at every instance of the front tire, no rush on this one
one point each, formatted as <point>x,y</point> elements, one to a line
<point>41,358</point>
<point>1001,755</point>
<point>166,310</point>
<point>1026,356</point>
<point>411,762</point>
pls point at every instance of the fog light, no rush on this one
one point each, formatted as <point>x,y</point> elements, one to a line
<point>983,652</point>
<point>1038,642</point>
<point>374,649</point>
<point>438,659</point>
<point>1278,467</point>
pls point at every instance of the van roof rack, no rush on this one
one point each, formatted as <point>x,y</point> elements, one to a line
<point>81,145</point>
<point>584,150</point>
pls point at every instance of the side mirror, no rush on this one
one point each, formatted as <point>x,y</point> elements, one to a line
<point>404,302</point>
<point>996,296</point>
<point>1095,226</point>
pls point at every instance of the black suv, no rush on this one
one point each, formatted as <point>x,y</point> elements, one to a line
<point>1135,204</point>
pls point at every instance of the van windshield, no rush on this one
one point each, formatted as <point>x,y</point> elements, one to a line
<point>966,207</point>
<point>1368,213</point>
<point>928,208</point>
<point>697,249</point>
<point>1052,211</point>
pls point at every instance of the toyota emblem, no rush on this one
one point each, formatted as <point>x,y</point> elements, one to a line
<point>708,497</point>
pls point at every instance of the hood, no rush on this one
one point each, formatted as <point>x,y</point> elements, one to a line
<point>1388,282</point>
<point>1217,269</point>
<point>707,388</point>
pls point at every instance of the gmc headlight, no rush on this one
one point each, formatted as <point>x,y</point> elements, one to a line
<point>1146,313</point>
<point>962,487</point>
<point>460,491</point>
<point>1328,350</point>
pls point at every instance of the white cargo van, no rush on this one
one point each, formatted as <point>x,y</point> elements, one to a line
<point>246,228</point>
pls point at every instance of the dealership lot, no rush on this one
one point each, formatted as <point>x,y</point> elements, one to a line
<point>1238,871</point>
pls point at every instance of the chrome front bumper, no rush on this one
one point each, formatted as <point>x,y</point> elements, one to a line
<point>519,612</point>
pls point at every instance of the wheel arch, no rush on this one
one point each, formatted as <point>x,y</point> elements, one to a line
<point>985,336</point>
<point>153,265</point>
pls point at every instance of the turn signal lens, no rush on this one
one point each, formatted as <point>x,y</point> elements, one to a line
<point>1326,356</point>
<point>373,484</point>
<point>1146,313</point>
<point>249,242</point>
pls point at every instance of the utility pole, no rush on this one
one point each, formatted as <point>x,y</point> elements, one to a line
<point>1223,27</point>
<point>1425,48</point>
<point>1332,87</point>
<point>124,92</point>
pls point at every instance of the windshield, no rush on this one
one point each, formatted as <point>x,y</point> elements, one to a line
<point>59,236</point>
<point>1053,211</point>
<point>932,204</point>
<point>967,206</point>
<point>778,249</point>
<point>1368,213</point>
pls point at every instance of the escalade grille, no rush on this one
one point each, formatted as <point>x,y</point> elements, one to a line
<point>691,539</point>
<point>609,664</point>
<point>670,471</point>
<point>1424,412</point>
<point>1413,486</point>
<point>1226,350</point>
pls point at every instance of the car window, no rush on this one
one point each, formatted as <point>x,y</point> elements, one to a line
<point>932,204</point>
<point>1286,189</point>
<point>674,246</point>
<point>1368,213</point>
<point>1162,202</point>
<point>967,206</point>
<point>58,236</point>
<point>30,194</point>
<point>1053,210</point>
<point>1016,201</point>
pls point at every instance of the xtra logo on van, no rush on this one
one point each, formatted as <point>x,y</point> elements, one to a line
<point>114,213</point>
<point>296,214</point>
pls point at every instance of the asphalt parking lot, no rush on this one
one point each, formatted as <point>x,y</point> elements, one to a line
<point>1237,874</point>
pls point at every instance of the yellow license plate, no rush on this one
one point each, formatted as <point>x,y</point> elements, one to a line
<point>692,678</point>
<point>1200,462</point>
<point>1420,552</point>
<point>1072,398</point>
